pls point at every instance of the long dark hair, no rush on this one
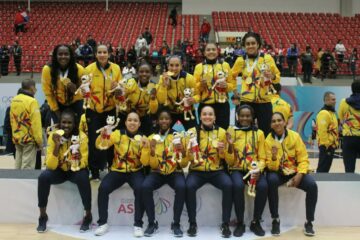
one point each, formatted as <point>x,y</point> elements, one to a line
<point>55,67</point>
<point>254,35</point>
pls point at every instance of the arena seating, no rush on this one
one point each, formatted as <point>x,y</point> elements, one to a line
<point>53,23</point>
<point>281,29</point>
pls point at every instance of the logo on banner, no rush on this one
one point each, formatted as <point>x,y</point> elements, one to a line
<point>161,204</point>
<point>126,206</point>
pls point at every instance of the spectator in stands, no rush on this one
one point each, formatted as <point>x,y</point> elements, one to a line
<point>106,75</point>
<point>111,52</point>
<point>91,42</point>
<point>307,61</point>
<point>87,53</point>
<point>238,51</point>
<point>349,115</point>
<point>140,43</point>
<point>352,62</point>
<point>253,93</point>
<point>128,71</point>
<point>340,50</point>
<point>17,53</point>
<point>144,54</point>
<point>148,36</point>
<point>131,55</point>
<point>190,57</point>
<point>59,171</point>
<point>120,56</point>
<point>287,162</point>
<point>172,17</point>
<point>205,30</point>
<point>25,123</point>
<point>199,56</point>
<point>19,23</point>
<point>327,132</point>
<point>170,90</point>
<point>164,173</point>
<point>326,59</point>
<point>292,58</point>
<point>318,62</point>
<point>229,55</point>
<point>210,168</point>
<point>164,53</point>
<point>246,145</point>
<point>206,75</point>
<point>9,145</point>
<point>78,42</point>
<point>125,168</point>
<point>5,59</point>
<point>279,57</point>
<point>184,45</point>
<point>281,106</point>
<point>60,80</point>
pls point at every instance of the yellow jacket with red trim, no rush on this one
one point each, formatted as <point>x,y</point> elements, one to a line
<point>249,146</point>
<point>211,158</point>
<point>256,91</point>
<point>101,99</point>
<point>281,106</point>
<point>162,161</point>
<point>175,92</point>
<point>83,127</point>
<point>350,119</point>
<point>327,129</point>
<point>58,94</point>
<point>25,120</point>
<point>127,151</point>
<point>291,154</point>
<point>53,162</point>
<point>209,72</point>
<point>139,98</point>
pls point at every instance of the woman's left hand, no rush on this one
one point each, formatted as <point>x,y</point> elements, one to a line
<point>296,180</point>
<point>71,87</point>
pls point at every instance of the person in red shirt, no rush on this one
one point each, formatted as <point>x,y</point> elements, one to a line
<point>205,30</point>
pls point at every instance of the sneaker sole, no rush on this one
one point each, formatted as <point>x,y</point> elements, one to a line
<point>100,234</point>
<point>309,234</point>
<point>150,235</point>
<point>275,234</point>
<point>42,231</point>
<point>191,235</point>
<point>84,231</point>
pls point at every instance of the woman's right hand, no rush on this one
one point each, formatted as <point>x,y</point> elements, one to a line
<point>229,139</point>
<point>274,151</point>
<point>203,85</point>
<point>56,138</point>
<point>166,79</point>
<point>152,147</point>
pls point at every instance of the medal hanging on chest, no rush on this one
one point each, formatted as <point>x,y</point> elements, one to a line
<point>64,77</point>
<point>250,70</point>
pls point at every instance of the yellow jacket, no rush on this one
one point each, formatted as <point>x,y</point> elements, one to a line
<point>249,146</point>
<point>53,162</point>
<point>162,161</point>
<point>255,92</point>
<point>58,94</point>
<point>280,105</point>
<point>127,152</point>
<point>291,155</point>
<point>25,120</point>
<point>350,119</point>
<point>83,125</point>
<point>101,99</point>
<point>175,92</point>
<point>211,157</point>
<point>139,98</point>
<point>327,130</point>
<point>209,72</point>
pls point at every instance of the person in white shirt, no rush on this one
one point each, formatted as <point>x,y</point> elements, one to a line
<point>340,50</point>
<point>128,71</point>
<point>140,42</point>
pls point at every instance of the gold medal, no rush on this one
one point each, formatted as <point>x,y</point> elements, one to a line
<point>249,80</point>
<point>215,143</point>
<point>65,81</point>
<point>157,137</point>
<point>137,138</point>
<point>170,74</point>
<point>60,132</point>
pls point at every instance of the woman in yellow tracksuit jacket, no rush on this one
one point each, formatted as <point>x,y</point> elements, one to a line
<point>58,169</point>
<point>166,168</point>
<point>246,145</point>
<point>60,80</point>
<point>126,167</point>
<point>255,86</point>
<point>287,161</point>
<point>141,97</point>
<point>83,125</point>
<point>206,74</point>
<point>280,105</point>
<point>349,115</point>
<point>210,153</point>
<point>105,76</point>
<point>170,90</point>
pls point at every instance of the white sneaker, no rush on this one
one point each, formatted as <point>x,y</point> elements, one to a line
<point>101,230</point>
<point>138,232</point>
